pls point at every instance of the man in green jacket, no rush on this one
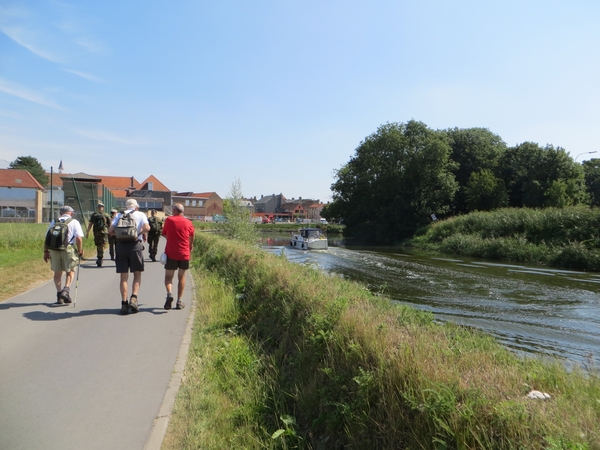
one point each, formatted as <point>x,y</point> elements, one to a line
<point>100,222</point>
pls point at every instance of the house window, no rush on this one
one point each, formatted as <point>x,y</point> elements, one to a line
<point>187,203</point>
<point>193,202</point>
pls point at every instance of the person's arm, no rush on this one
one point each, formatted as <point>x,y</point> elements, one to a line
<point>191,238</point>
<point>79,245</point>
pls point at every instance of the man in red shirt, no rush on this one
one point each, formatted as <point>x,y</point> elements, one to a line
<point>179,232</point>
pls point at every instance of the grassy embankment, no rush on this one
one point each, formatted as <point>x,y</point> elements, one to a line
<point>21,257</point>
<point>567,238</point>
<point>284,356</point>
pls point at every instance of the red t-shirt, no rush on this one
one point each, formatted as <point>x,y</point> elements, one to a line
<point>178,230</point>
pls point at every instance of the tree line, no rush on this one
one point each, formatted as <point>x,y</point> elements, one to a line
<point>406,174</point>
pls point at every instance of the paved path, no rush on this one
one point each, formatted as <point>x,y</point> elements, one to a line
<point>87,377</point>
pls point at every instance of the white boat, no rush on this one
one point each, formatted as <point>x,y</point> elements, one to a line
<point>309,239</point>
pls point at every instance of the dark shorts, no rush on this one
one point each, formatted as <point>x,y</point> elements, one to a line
<point>173,264</point>
<point>130,257</point>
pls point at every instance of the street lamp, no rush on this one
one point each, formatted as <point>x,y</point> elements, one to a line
<point>585,153</point>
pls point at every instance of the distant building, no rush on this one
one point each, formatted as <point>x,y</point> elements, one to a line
<point>199,206</point>
<point>21,197</point>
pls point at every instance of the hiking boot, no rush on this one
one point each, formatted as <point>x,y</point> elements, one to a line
<point>153,258</point>
<point>59,299</point>
<point>169,302</point>
<point>133,304</point>
<point>124,308</point>
<point>99,262</point>
<point>179,305</point>
<point>64,295</point>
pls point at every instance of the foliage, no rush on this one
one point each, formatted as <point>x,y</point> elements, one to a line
<point>540,177</point>
<point>561,237</point>
<point>485,192</point>
<point>340,367</point>
<point>398,177</point>
<point>238,225</point>
<point>33,166</point>
<point>475,151</point>
<point>591,170</point>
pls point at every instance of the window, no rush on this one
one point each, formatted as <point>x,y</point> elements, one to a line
<point>187,203</point>
<point>193,202</point>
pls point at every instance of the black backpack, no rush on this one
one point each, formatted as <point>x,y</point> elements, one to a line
<point>126,229</point>
<point>56,236</point>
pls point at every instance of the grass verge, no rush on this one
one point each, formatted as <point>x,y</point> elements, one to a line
<point>21,257</point>
<point>287,357</point>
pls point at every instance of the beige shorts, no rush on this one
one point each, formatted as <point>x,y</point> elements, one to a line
<point>64,260</point>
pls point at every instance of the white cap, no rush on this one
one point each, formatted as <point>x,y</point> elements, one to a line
<point>131,203</point>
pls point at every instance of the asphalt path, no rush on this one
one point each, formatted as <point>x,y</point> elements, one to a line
<point>85,377</point>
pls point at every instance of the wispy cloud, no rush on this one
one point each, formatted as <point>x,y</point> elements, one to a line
<point>85,75</point>
<point>29,40</point>
<point>26,94</point>
<point>110,137</point>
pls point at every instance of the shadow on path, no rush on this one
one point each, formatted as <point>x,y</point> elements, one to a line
<point>71,314</point>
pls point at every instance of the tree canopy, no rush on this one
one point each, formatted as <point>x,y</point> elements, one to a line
<point>399,176</point>
<point>33,166</point>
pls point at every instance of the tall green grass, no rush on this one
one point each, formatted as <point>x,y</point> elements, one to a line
<point>560,237</point>
<point>338,367</point>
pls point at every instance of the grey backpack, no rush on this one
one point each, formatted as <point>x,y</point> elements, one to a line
<point>126,229</point>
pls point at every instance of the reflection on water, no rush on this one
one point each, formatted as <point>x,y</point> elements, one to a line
<point>532,310</point>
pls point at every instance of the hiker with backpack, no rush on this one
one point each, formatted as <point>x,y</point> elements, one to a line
<point>154,234</point>
<point>129,228</point>
<point>100,223</point>
<point>63,246</point>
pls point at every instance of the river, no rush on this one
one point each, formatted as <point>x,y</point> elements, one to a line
<point>531,310</point>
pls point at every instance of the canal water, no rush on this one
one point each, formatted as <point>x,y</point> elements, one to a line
<point>532,310</point>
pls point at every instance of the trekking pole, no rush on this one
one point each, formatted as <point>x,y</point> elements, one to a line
<point>77,281</point>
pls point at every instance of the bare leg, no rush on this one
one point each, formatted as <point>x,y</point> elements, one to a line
<point>137,281</point>
<point>180,283</point>
<point>169,274</point>
<point>69,278</point>
<point>123,286</point>
<point>58,280</point>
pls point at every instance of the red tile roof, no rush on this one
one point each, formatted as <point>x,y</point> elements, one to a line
<point>156,184</point>
<point>18,178</point>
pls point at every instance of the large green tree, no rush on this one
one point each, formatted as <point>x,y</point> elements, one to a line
<point>539,177</point>
<point>591,170</point>
<point>475,151</point>
<point>33,166</point>
<point>399,176</point>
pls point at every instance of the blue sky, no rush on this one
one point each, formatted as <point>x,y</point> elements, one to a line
<point>279,94</point>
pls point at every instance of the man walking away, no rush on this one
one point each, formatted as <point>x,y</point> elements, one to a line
<point>154,234</point>
<point>179,232</point>
<point>129,251</point>
<point>100,223</point>
<point>64,251</point>
<point>112,240</point>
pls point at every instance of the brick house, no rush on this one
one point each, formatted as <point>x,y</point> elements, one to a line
<point>199,206</point>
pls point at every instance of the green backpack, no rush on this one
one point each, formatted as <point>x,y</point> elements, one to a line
<point>99,221</point>
<point>56,236</point>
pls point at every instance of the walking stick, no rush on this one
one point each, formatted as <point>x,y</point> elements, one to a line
<point>77,281</point>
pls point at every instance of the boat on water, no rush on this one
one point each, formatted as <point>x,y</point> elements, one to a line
<point>309,239</point>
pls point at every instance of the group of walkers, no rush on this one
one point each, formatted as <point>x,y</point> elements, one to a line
<point>63,247</point>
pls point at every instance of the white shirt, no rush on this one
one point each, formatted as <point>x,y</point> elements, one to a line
<point>140,218</point>
<point>73,228</point>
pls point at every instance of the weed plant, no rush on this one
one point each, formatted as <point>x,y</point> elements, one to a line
<point>560,237</point>
<point>335,366</point>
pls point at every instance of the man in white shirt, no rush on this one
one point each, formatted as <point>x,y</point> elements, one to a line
<point>130,256</point>
<point>67,258</point>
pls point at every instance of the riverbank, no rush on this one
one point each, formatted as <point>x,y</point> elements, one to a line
<point>567,238</point>
<point>285,356</point>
